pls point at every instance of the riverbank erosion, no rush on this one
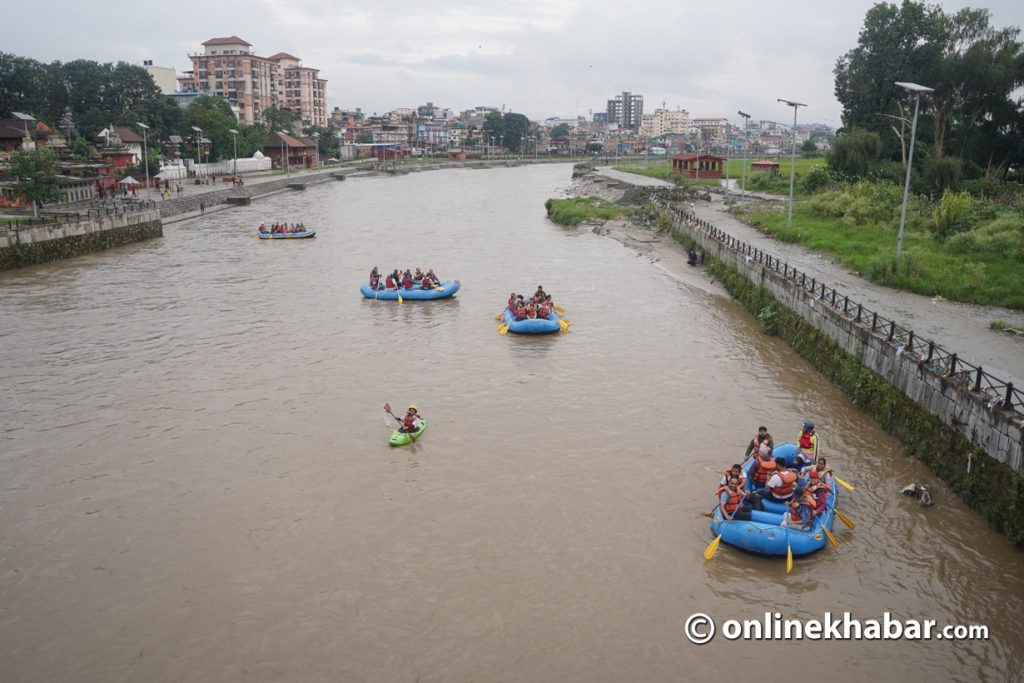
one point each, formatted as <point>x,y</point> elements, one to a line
<point>966,425</point>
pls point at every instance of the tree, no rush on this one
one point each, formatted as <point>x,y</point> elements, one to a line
<point>275,119</point>
<point>80,148</point>
<point>517,129</point>
<point>494,127</point>
<point>560,130</point>
<point>855,152</point>
<point>364,138</point>
<point>35,177</point>
<point>214,116</point>
<point>808,147</point>
<point>328,144</point>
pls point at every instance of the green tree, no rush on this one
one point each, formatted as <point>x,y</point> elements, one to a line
<point>517,129</point>
<point>855,152</point>
<point>808,148</point>
<point>35,177</point>
<point>559,130</point>
<point>364,138</point>
<point>80,148</point>
<point>328,144</point>
<point>494,127</point>
<point>214,116</point>
<point>275,119</point>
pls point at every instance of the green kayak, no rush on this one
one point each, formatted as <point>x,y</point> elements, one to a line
<point>401,438</point>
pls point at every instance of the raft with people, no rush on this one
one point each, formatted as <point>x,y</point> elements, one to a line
<point>764,532</point>
<point>400,286</point>
<point>284,231</point>
<point>536,315</point>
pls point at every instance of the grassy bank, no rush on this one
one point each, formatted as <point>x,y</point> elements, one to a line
<point>760,181</point>
<point>575,211</point>
<point>983,266</point>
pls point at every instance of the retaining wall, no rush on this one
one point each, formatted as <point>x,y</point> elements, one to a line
<point>95,231</point>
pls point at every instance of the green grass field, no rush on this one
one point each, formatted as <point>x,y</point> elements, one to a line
<point>759,182</point>
<point>928,266</point>
<point>575,211</point>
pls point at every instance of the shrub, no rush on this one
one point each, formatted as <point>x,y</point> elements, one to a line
<point>959,212</point>
<point>1002,237</point>
<point>820,178</point>
<point>942,174</point>
<point>855,152</point>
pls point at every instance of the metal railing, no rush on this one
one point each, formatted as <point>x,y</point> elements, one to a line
<point>928,355</point>
<point>96,209</point>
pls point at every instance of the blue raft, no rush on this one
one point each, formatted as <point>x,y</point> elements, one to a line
<point>531,326</point>
<point>762,534</point>
<point>417,293</point>
<point>286,235</point>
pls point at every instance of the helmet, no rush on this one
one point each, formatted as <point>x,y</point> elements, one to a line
<point>813,474</point>
<point>808,426</point>
<point>413,409</point>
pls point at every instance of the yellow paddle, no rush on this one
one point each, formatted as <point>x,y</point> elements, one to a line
<point>559,309</point>
<point>843,483</point>
<point>399,297</point>
<point>499,316</point>
<point>831,539</point>
<point>846,520</point>
<point>789,553</point>
<point>564,324</point>
<point>713,547</point>
<point>503,328</point>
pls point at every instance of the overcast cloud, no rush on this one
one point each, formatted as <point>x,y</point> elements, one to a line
<point>542,58</point>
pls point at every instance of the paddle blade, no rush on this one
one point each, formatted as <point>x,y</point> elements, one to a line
<point>789,559</point>
<point>831,538</point>
<point>387,407</point>
<point>563,324</point>
<point>399,297</point>
<point>712,547</point>
<point>843,483</point>
<point>846,520</point>
<point>559,309</point>
<point>499,316</point>
<point>503,329</point>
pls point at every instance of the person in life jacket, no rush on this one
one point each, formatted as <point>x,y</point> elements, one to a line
<point>781,484</point>
<point>407,281</point>
<point>819,490</point>
<point>539,294</point>
<point>730,500</point>
<point>824,472</point>
<point>511,301</point>
<point>764,466</point>
<point>807,443</point>
<point>542,310</point>
<point>761,437</point>
<point>426,282</point>
<point>411,421</point>
<point>801,510</point>
<point>430,274</point>
<point>375,278</point>
<point>390,282</point>
<point>735,471</point>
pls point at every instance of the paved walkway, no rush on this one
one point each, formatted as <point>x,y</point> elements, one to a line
<point>958,327</point>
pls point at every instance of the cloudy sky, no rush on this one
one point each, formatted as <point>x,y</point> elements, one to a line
<point>542,58</point>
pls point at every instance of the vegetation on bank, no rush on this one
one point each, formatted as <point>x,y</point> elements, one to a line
<point>575,211</point>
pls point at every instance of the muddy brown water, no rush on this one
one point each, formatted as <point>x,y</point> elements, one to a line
<point>195,481</point>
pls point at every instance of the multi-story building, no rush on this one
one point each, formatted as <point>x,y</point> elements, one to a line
<point>228,68</point>
<point>301,90</point>
<point>712,131</point>
<point>626,110</point>
<point>664,122</point>
<point>165,77</point>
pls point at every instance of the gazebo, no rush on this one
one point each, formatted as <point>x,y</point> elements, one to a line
<point>698,165</point>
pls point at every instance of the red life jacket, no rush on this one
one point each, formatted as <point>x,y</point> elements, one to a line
<point>543,312</point>
<point>765,468</point>
<point>390,282</point>
<point>788,484</point>
<point>408,421</point>
<point>425,283</point>
<point>407,282</point>
<point>734,499</point>
<point>819,503</point>
<point>805,440</point>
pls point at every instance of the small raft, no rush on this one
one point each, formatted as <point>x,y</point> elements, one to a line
<point>399,438</point>
<point>762,534</point>
<point>417,293</point>
<point>531,325</point>
<point>305,234</point>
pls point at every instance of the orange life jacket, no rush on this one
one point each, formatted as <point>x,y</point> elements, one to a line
<point>805,499</point>
<point>766,466</point>
<point>742,476</point>
<point>734,498</point>
<point>788,484</point>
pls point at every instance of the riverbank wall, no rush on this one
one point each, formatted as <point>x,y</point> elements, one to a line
<point>964,424</point>
<point>55,238</point>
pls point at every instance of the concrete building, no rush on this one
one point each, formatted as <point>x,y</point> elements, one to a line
<point>300,89</point>
<point>711,130</point>
<point>626,110</point>
<point>228,68</point>
<point>664,122</point>
<point>166,78</point>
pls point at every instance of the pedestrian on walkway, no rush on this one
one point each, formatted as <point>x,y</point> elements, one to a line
<point>202,206</point>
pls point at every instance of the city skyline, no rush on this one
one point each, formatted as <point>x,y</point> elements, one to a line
<point>563,59</point>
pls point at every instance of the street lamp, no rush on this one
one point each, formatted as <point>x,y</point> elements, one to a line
<point>792,161</point>
<point>199,147</point>
<point>743,171</point>
<point>234,158</point>
<point>284,160</point>
<point>316,136</point>
<point>145,153</point>
<point>917,90</point>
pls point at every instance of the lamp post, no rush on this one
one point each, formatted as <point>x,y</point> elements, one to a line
<point>792,161</point>
<point>234,157</point>
<point>743,171</point>
<point>917,90</point>
<point>199,148</point>
<point>316,136</point>
<point>284,159</point>
<point>145,154</point>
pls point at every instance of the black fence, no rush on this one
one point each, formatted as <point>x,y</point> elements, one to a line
<point>928,355</point>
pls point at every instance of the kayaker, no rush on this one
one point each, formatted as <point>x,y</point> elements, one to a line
<point>819,490</point>
<point>801,511</point>
<point>731,500</point>
<point>735,471</point>
<point>761,437</point>
<point>781,484</point>
<point>807,443</point>
<point>411,421</point>
<point>763,467</point>
<point>375,278</point>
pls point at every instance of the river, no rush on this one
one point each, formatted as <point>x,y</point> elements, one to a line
<point>195,481</point>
